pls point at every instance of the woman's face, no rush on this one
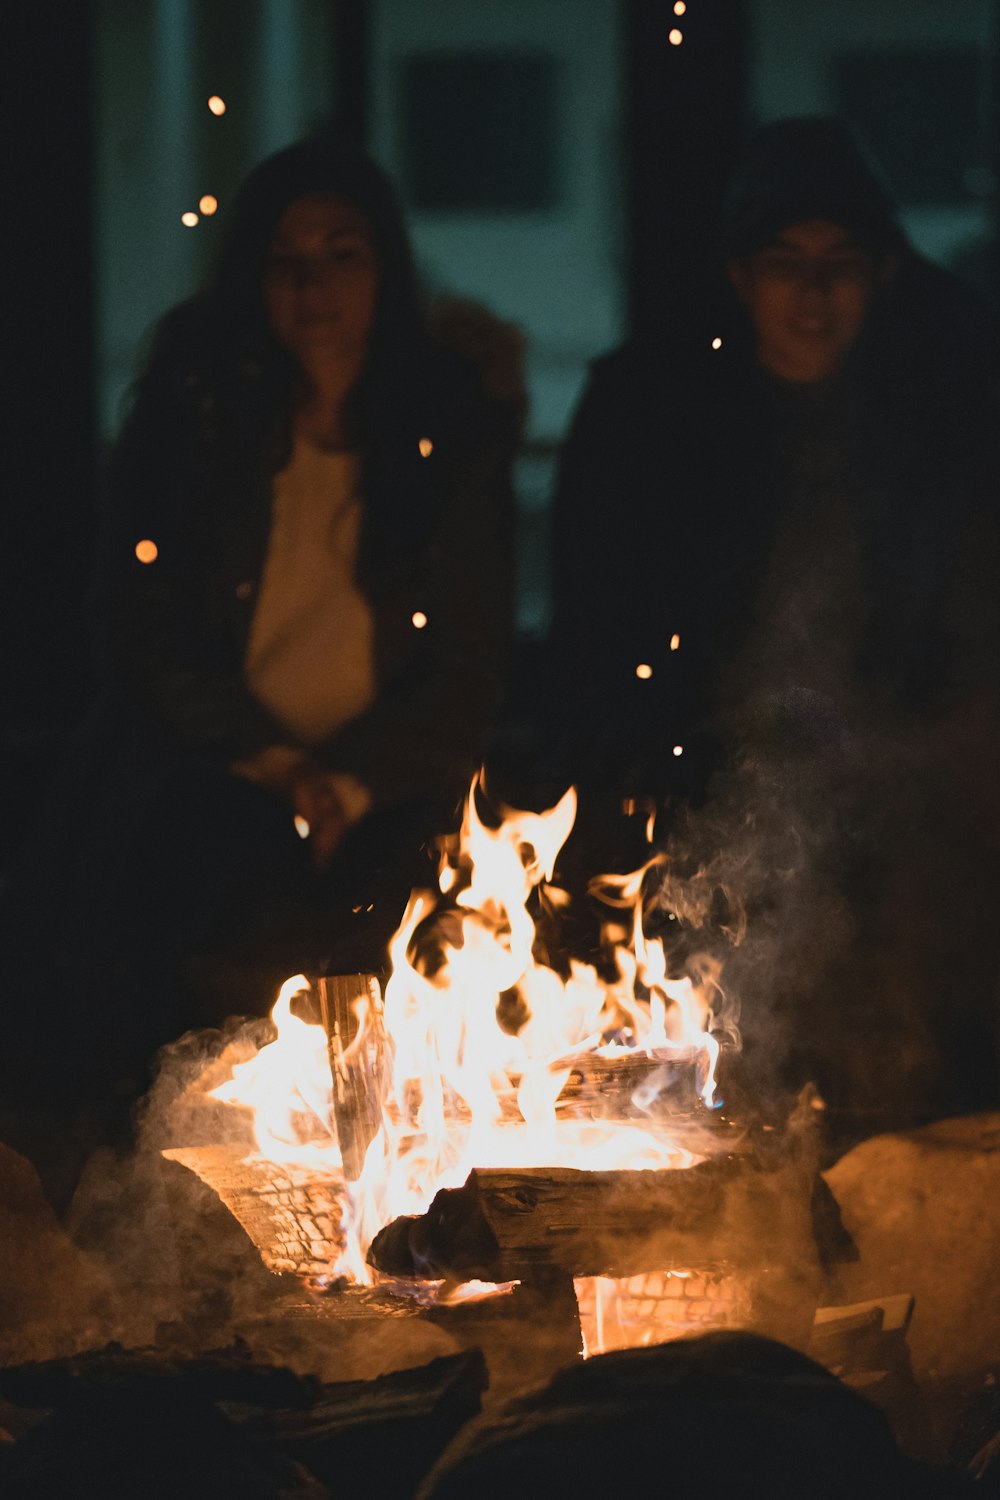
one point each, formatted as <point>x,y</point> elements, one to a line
<point>321,280</point>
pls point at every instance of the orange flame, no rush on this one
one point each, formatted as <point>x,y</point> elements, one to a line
<point>483,1036</point>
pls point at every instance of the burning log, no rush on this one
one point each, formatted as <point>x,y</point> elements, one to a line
<point>507,1225</point>
<point>294,1216</point>
<point>351,1008</point>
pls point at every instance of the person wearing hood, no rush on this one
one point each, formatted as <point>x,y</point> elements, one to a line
<point>774,546</point>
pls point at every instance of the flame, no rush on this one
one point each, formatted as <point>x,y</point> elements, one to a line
<point>288,1087</point>
<point>483,1036</point>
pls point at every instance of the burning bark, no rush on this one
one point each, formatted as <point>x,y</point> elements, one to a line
<point>506,1225</point>
<point>293,1216</point>
<point>351,1007</point>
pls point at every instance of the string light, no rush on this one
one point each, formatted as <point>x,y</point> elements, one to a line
<point>675,642</point>
<point>675,38</point>
<point>678,749</point>
<point>189,220</point>
<point>208,204</point>
<point>716,343</point>
<point>301,826</point>
<point>644,671</point>
<point>418,619</point>
<point>146,551</point>
<point>217,105</point>
<point>679,8</point>
<point>426,447</point>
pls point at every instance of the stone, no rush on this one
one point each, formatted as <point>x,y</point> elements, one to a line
<point>924,1211</point>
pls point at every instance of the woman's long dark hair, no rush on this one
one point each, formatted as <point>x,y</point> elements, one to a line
<point>223,332</point>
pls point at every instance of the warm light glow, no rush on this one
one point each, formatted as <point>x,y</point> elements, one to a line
<point>676,37</point>
<point>418,619</point>
<point>675,642</point>
<point>146,551</point>
<point>716,343</point>
<point>483,1037</point>
<point>426,447</point>
<point>217,105</point>
<point>208,204</point>
<point>189,220</point>
<point>644,671</point>
<point>678,749</point>
<point>679,8</point>
<point>633,1312</point>
<point>301,826</point>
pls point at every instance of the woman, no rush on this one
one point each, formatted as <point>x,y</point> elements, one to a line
<point>302,600</point>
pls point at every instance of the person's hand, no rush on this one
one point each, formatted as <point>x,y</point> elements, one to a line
<point>315,799</point>
<point>312,794</point>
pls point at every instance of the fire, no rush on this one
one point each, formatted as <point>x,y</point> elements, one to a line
<point>493,1057</point>
<point>288,1088</point>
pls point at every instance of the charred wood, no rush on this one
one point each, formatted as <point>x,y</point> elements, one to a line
<point>510,1224</point>
<point>351,1007</point>
<point>126,1422</point>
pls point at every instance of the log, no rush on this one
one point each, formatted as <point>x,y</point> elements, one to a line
<point>143,1422</point>
<point>293,1216</point>
<point>357,1061</point>
<point>379,1437</point>
<point>508,1224</point>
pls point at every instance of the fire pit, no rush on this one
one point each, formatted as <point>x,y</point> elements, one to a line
<point>502,1118</point>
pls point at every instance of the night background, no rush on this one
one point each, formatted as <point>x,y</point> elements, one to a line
<point>766,658</point>
<point>577,191</point>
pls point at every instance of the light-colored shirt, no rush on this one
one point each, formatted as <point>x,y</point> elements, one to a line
<point>310,654</point>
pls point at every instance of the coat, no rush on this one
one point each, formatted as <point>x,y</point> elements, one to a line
<point>192,475</point>
<point>668,510</point>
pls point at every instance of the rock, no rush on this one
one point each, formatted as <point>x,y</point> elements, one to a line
<point>54,1299</point>
<point>924,1211</point>
<point>722,1415</point>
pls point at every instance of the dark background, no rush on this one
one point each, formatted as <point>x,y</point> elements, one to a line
<point>928,112</point>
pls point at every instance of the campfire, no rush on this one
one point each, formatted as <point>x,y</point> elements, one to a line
<point>396,1221</point>
<point>506,1115</point>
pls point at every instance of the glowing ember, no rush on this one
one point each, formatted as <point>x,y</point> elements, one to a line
<point>634,1311</point>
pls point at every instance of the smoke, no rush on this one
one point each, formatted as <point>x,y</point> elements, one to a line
<point>176,1257</point>
<point>800,878</point>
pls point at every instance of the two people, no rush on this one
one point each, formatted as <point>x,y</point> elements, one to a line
<point>303,588</point>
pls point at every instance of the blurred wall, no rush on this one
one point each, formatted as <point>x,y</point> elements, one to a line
<point>918,76</point>
<point>159,148</point>
<point>555,267</point>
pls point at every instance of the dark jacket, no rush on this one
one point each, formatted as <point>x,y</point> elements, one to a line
<point>192,473</point>
<point>669,506</point>
<point>195,478</point>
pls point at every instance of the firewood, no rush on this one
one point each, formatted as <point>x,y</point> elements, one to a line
<point>379,1437</point>
<point>140,1421</point>
<point>357,1060</point>
<point>294,1217</point>
<point>508,1224</point>
<point>228,1374</point>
